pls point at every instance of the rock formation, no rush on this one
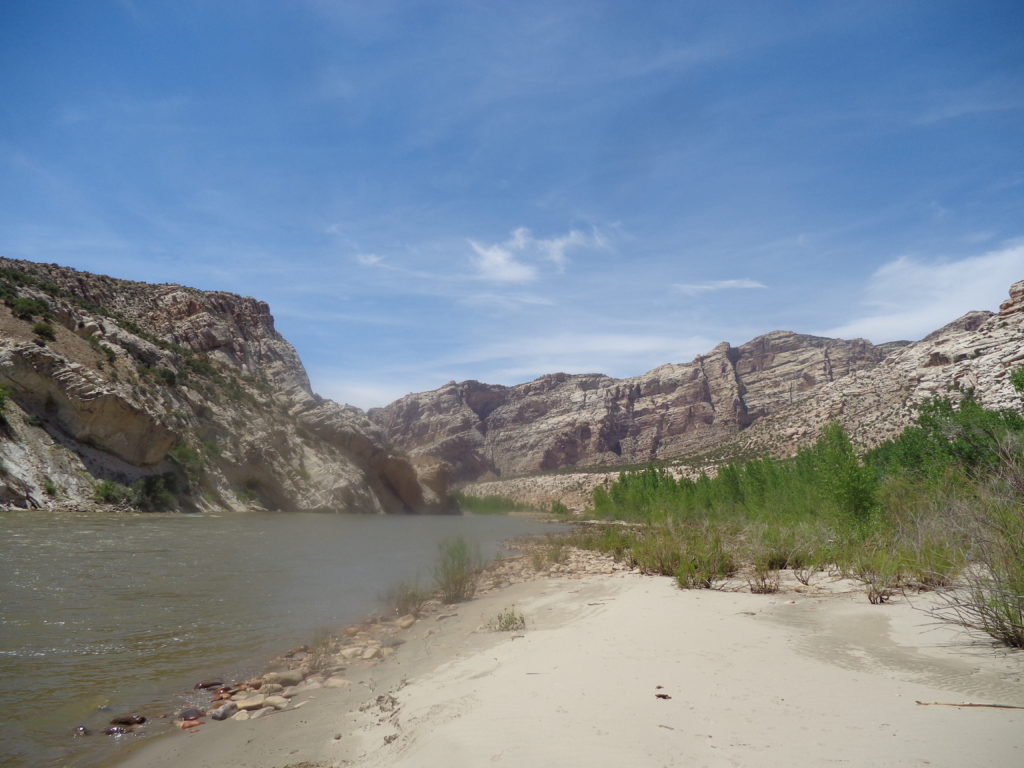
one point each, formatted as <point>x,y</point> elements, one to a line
<point>192,392</point>
<point>771,395</point>
<point>976,352</point>
<point>484,431</point>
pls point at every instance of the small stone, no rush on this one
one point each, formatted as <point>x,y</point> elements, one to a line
<point>243,715</point>
<point>224,711</point>
<point>254,701</point>
<point>353,652</point>
<point>200,686</point>
<point>385,652</point>
<point>290,691</point>
<point>277,702</point>
<point>261,713</point>
<point>337,682</point>
<point>371,653</point>
<point>192,713</point>
<point>269,688</point>
<point>286,677</point>
<point>406,621</point>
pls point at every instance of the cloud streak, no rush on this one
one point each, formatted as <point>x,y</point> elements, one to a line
<point>713,286</point>
<point>519,258</point>
<point>911,297</point>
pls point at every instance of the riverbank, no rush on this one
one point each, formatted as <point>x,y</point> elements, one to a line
<point>615,668</point>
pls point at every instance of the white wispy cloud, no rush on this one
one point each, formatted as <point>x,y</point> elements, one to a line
<point>910,297</point>
<point>711,286</point>
<point>499,263</point>
<point>617,354</point>
<point>518,259</point>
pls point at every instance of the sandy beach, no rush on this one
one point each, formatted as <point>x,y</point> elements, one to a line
<point>628,670</point>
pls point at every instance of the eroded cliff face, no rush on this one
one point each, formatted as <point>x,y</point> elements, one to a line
<point>976,352</point>
<point>483,431</point>
<point>195,388</point>
<point>874,403</point>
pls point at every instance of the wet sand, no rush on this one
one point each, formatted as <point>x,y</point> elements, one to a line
<point>624,669</point>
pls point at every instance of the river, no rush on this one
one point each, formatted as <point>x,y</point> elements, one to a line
<point>108,613</point>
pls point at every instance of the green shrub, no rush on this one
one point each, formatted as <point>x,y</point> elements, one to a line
<point>489,505</point>
<point>407,598</point>
<point>508,620</point>
<point>166,376</point>
<point>708,559</point>
<point>26,308</point>
<point>109,492</point>
<point>44,330</point>
<point>558,509</point>
<point>154,493</point>
<point>456,572</point>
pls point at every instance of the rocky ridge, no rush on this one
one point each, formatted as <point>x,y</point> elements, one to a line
<point>191,396</point>
<point>778,410</point>
<point>976,352</point>
<point>487,432</point>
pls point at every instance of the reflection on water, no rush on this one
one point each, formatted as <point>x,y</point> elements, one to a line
<point>121,611</point>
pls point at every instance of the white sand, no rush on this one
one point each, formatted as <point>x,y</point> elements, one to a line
<point>780,680</point>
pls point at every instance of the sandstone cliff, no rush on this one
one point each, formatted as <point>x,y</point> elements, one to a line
<point>975,352</point>
<point>874,402</point>
<point>179,390</point>
<point>484,431</point>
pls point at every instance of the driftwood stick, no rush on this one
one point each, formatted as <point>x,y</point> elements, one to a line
<point>954,704</point>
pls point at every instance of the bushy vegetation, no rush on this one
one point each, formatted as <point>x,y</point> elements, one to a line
<point>941,505</point>
<point>44,330</point>
<point>153,493</point>
<point>457,570</point>
<point>407,598</point>
<point>509,620</point>
<point>489,505</point>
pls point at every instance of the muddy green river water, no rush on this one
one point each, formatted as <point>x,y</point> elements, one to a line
<point>107,613</point>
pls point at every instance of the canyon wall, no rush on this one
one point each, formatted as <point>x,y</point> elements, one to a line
<point>192,393</point>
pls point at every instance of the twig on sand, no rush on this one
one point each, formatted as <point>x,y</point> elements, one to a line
<point>954,704</point>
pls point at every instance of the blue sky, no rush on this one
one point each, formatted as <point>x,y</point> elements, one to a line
<point>497,190</point>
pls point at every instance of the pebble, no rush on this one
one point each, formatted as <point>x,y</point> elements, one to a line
<point>192,713</point>
<point>260,713</point>
<point>371,653</point>
<point>224,711</point>
<point>243,715</point>
<point>337,682</point>
<point>285,677</point>
<point>406,621</point>
<point>352,653</point>
<point>254,701</point>
<point>277,702</point>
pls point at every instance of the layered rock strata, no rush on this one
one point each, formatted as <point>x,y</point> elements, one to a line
<point>194,387</point>
<point>485,431</point>
<point>976,352</point>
